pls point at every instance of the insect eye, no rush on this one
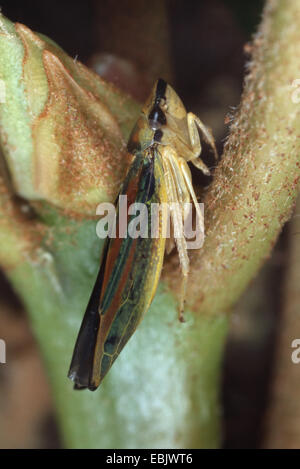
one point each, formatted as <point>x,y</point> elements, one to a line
<point>156,118</point>
<point>163,104</point>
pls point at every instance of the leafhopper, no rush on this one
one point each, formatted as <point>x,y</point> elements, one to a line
<point>163,140</point>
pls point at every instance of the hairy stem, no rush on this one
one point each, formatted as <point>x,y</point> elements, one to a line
<point>256,184</point>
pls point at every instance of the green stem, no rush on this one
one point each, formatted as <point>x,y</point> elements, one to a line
<point>163,389</point>
<point>256,184</point>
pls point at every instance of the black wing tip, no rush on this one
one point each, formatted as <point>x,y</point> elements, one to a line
<point>79,387</point>
<point>78,384</point>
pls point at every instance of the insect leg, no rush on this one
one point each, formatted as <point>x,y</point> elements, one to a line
<point>201,165</point>
<point>194,123</point>
<point>180,184</point>
<point>183,192</point>
<point>185,171</point>
<point>182,189</point>
<point>175,194</point>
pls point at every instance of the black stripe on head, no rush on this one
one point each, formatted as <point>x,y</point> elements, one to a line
<point>160,92</point>
<point>156,118</point>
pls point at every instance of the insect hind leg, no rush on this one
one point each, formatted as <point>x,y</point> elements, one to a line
<point>178,193</point>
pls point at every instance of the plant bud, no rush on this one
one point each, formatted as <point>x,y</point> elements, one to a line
<point>62,128</point>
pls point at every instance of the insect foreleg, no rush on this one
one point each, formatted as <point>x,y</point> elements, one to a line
<point>194,123</point>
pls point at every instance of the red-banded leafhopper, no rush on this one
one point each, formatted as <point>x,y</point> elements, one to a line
<point>164,139</point>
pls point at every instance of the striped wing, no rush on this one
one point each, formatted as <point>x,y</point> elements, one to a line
<point>127,280</point>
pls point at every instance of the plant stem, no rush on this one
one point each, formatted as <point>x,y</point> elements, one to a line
<point>257,182</point>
